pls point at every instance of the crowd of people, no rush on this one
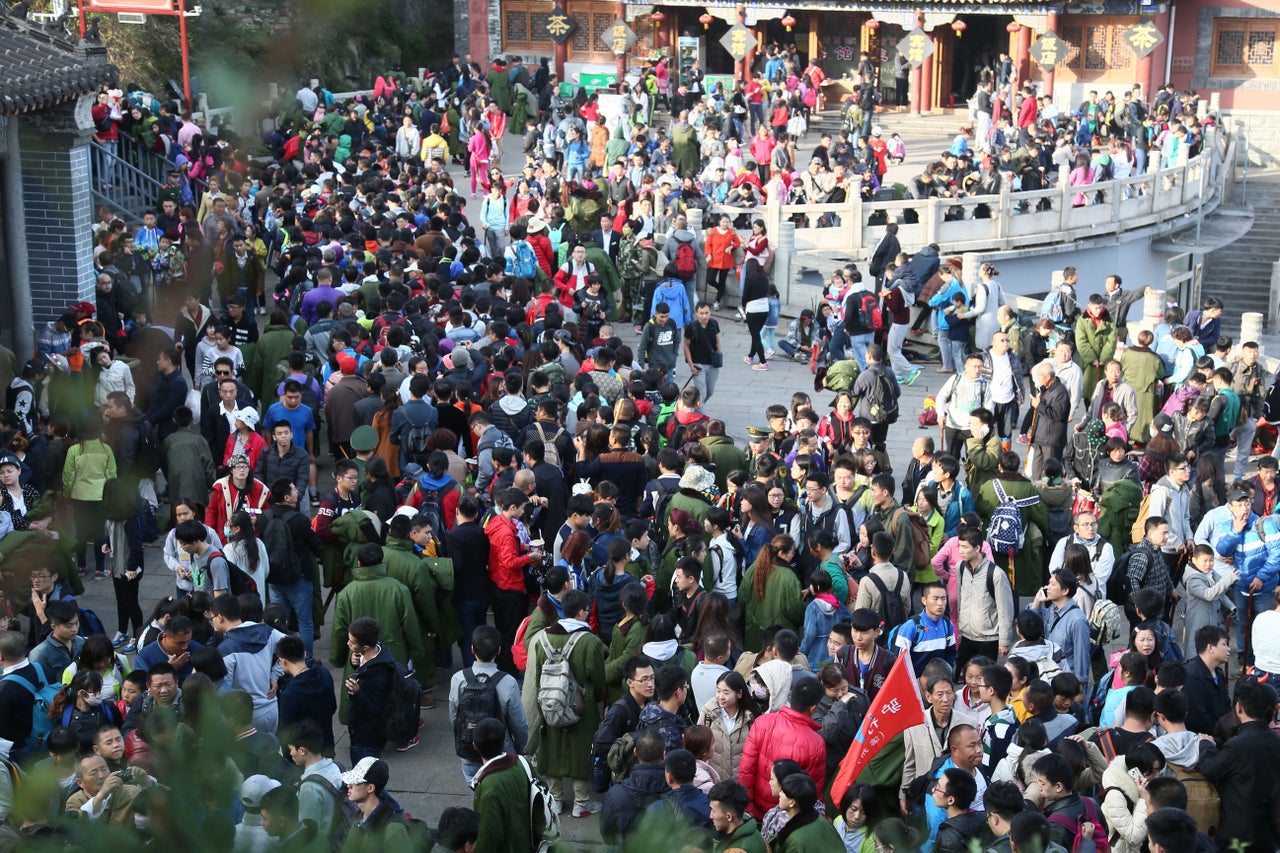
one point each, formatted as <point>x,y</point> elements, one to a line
<point>656,624</point>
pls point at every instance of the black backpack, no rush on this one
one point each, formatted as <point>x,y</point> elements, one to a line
<point>477,700</point>
<point>432,507</point>
<point>282,561</point>
<point>658,524</point>
<point>1119,589</point>
<point>400,725</point>
<point>238,580</point>
<point>150,456</point>
<point>891,610</point>
<point>417,439</point>
<point>882,403</point>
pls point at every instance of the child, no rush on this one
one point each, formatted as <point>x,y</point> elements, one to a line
<point>1022,671</point>
<point>958,326</point>
<point>1206,598</point>
<point>896,149</point>
<point>1067,698</point>
<point>1113,418</point>
<point>1115,466</point>
<point>1032,646</point>
<point>1030,744</point>
<point>771,322</point>
<point>822,612</point>
<point>592,305</point>
<point>659,341</point>
<point>866,661</point>
<point>135,684</point>
<point>1194,430</point>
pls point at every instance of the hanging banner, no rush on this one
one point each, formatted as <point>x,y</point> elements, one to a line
<point>1050,50</point>
<point>1143,37</point>
<point>618,37</point>
<point>738,41</point>
<point>916,46</point>
<point>560,27</point>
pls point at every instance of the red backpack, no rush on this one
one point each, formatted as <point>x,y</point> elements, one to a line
<point>686,261</point>
<point>1101,843</point>
<point>869,308</point>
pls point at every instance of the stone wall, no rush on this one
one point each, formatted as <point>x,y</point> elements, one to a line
<point>1262,130</point>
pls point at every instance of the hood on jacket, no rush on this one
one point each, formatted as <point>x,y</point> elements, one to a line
<point>427,481</point>
<point>512,405</point>
<point>827,603</point>
<point>248,638</point>
<point>776,676</point>
<point>682,235</point>
<point>311,684</point>
<point>1117,776</point>
<point>661,651</point>
<point>1180,748</point>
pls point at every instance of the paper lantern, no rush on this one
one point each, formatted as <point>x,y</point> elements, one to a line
<point>705,19</point>
<point>1013,26</point>
<point>657,17</point>
<point>872,24</point>
<point>788,22</point>
<point>959,27</point>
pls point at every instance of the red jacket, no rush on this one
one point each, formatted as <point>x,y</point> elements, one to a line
<point>1027,113</point>
<point>786,734</point>
<point>541,244</point>
<point>507,557</point>
<point>225,496</point>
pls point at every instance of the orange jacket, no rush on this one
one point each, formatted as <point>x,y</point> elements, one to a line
<point>720,248</point>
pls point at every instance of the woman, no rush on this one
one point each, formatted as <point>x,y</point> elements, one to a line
<point>770,591</point>
<point>927,507</point>
<point>758,525</point>
<point>16,498</point>
<point>781,510</point>
<point>1144,372</point>
<point>478,148</point>
<point>99,655</point>
<point>727,554</point>
<point>390,453</point>
<point>247,551</point>
<point>755,302</point>
<point>852,822</point>
<point>1075,559</point>
<point>836,429</point>
<point>1153,464</point>
<point>80,707</point>
<point>985,301</point>
<point>721,245</point>
<point>729,716</point>
<point>802,335</point>
<point>446,441</point>
<point>177,560</point>
<point>88,466</point>
<point>628,635</point>
<point>378,490</point>
<point>113,375</point>
<point>1122,802</point>
<point>1081,176</point>
<point>1208,488</point>
<point>573,557</point>
<point>1095,342</point>
<point>493,221</point>
<point>244,439</point>
<point>805,830</point>
<point>757,248</point>
<point>715,618</point>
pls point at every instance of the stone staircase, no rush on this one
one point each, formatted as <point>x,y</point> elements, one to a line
<point>1240,273</point>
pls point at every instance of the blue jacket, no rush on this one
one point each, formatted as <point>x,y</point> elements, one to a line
<point>819,616</point>
<point>248,650</point>
<point>672,292</point>
<point>927,639</point>
<point>1068,629</point>
<point>151,654</point>
<point>961,502</point>
<point>309,696</point>
<point>942,299</point>
<point>1256,554</point>
<point>688,802</point>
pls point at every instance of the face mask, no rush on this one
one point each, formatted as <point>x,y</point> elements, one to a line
<point>93,701</point>
<point>759,691</point>
<point>984,431</point>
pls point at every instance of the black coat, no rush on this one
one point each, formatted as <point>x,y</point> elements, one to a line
<point>955,833</point>
<point>551,485</point>
<point>468,547</point>
<point>1246,772</point>
<point>167,394</point>
<point>1207,702</point>
<point>310,696</point>
<point>214,427</point>
<point>1051,417</point>
<point>626,802</point>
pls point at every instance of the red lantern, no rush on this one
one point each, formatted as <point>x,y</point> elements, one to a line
<point>959,27</point>
<point>1012,27</point>
<point>872,24</point>
<point>657,17</point>
<point>705,19</point>
<point>788,22</point>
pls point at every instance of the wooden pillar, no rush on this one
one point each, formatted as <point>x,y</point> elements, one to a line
<point>740,66</point>
<point>1022,53</point>
<point>1151,66</point>
<point>814,17</point>
<point>926,90</point>
<point>1049,75</point>
<point>621,9</point>
<point>917,90</point>
<point>561,54</point>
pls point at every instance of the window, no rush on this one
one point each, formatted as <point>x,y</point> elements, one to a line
<point>1098,50</point>
<point>524,28</point>
<point>1244,47</point>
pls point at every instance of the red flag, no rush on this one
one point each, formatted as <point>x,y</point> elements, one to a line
<point>897,707</point>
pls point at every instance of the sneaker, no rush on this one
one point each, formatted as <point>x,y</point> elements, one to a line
<point>410,745</point>
<point>913,375</point>
<point>101,574</point>
<point>1024,439</point>
<point>83,571</point>
<point>129,648</point>
<point>769,353</point>
<point>426,701</point>
<point>556,806</point>
<point>592,807</point>
<point>748,360</point>
<point>118,640</point>
<point>639,330</point>
<point>761,366</point>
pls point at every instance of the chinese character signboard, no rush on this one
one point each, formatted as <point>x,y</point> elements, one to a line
<point>738,41</point>
<point>1049,50</point>
<point>1143,37</point>
<point>559,25</point>
<point>618,37</point>
<point>916,46</point>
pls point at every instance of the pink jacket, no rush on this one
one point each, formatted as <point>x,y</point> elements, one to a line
<point>762,148</point>
<point>785,734</point>
<point>948,555</point>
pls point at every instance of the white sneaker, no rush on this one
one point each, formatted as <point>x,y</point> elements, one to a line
<point>555,806</point>
<point>768,353</point>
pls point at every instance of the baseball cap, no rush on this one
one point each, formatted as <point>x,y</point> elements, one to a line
<point>238,459</point>
<point>370,771</point>
<point>1236,494</point>
<point>346,363</point>
<point>10,459</point>
<point>254,789</point>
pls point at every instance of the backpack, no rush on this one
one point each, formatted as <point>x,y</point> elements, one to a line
<point>477,700</point>
<point>870,313</point>
<point>921,543</point>
<point>1059,524</point>
<point>238,580</point>
<point>44,693</point>
<point>543,818</point>
<point>345,812</point>
<point>90,624</point>
<point>622,757</point>
<point>561,699</point>
<point>739,557</point>
<point>416,440</point>
<point>1139,528</point>
<point>400,725</point>
<point>1106,622</point>
<point>658,524</point>
<point>432,507</point>
<point>524,263</point>
<point>891,609</point>
<point>551,454</point>
<point>686,261</point>
<point>520,654</point>
<point>282,568</point>
<point>1006,531</point>
<point>1091,814</point>
<point>109,712</point>
<point>1098,699</point>
<point>882,403</point>
<point>919,629</point>
<point>149,456</point>
<point>1051,307</point>
<point>1119,589</point>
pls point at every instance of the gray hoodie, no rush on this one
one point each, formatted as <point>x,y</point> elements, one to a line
<point>248,650</point>
<point>1180,748</point>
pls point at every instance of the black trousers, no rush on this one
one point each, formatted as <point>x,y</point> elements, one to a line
<point>755,322</point>
<point>509,609</point>
<point>970,648</point>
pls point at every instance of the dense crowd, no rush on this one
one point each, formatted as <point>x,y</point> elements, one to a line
<point>656,624</point>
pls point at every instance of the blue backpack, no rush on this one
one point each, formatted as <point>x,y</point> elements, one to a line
<point>523,261</point>
<point>44,694</point>
<point>1006,532</point>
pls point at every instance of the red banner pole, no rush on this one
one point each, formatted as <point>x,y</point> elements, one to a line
<point>186,60</point>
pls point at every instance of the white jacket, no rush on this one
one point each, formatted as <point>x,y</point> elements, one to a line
<point>1123,808</point>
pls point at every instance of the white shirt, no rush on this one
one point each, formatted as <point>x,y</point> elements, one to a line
<point>1001,379</point>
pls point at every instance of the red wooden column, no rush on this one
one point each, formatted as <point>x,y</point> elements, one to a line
<point>1022,54</point>
<point>621,10</point>
<point>1049,75</point>
<point>562,50</point>
<point>919,80</point>
<point>1148,68</point>
<point>740,66</point>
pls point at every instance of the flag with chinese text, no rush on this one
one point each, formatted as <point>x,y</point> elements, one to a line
<point>897,707</point>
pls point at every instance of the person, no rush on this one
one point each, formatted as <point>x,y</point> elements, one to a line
<point>805,828</point>
<point>702,350</point>
<point>865,661</point>
<point>955,792</point>
<point>790,731</point>
<point>1084,532</point>
<point>986,601</point>
<point>1245,770</point>
<point>308,695</point>
<point>1067,626</point>
<point>1172,830</point>
<point>683,798</point>
<point>735,828</point>
<point>960,395</point>
<point>1052,408</point>
<point>503,790</point>
<point>930,634</point>
<point>887,588</point>
<point>321,792</point>
<point>626,802</point>
<point>1206,687</point>
<point>381,823</point>
<point>369,669</point>
<point>565,751</point>
<point>279,811</point>
<point>485,640</point>
<point>248,649</point>
<point>1068,813</point>
<point>508,559</point>
<point>103,796</point>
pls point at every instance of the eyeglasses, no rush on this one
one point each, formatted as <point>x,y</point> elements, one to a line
<point>648,679</point>
<point>222,373</point>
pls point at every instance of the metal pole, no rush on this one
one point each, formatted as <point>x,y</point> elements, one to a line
<point>1244,175</point>
<point>186,57</point>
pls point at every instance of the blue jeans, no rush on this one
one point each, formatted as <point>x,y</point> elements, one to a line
<point>859,344</point>
<point>959,349</point>
<point>471,613</point>
<point>298,596</point>
<point>359,752</point>
<point>469,771</point>
<point>944,349</point>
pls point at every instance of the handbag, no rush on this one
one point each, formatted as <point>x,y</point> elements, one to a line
<point>717,359</point>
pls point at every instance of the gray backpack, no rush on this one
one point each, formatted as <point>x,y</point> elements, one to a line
<point>561,699</point>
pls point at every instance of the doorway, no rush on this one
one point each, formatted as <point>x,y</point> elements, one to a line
<point>984,39</point>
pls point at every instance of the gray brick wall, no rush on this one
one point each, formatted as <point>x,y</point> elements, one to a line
<point>59,212</point>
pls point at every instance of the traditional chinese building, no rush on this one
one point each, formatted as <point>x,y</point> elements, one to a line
<point>1225,48</point>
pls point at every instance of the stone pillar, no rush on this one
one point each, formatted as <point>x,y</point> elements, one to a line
<point>1273,303</point>
<point>783,269</point>
<point>56,195</point>
<point>1250,325</point>
<point>969,264</point>
<point>1152,314</point>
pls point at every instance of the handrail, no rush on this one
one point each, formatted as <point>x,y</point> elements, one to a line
<point>119,183</point>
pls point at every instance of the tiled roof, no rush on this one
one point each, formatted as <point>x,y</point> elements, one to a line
<point>41,66</point>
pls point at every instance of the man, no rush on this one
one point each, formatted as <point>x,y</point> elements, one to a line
<point>1119,302</point>
<point>167,393</point>
<point>1053,410</point>
<point>508,559</point>
<point>986,599</point>
<point>960,395</point>
<point>406,566</point>
<point>279,810</point>
<point>564,751</point>
<point>895,521</point>
<point>487,438</point>
<point>918,469</point>
<point>1002,723</point>
<point>789,733</point>
<point>17,702</point>
<point>683,798</point>
<point>340,407</point>
<point>688,603</point>
<point>61,648</point>
<point>1003,370</point>
<point>552,489</point>
<point>1246,770</point>
<point>1250,381</point>
<point>1171,500</point>
<point>321,792</point>
<point>1206,687</point>
<point>702,350</point>
<point>964,756</point>
<point>820,511</point>
<point>1055,780</point>
<point>248,652</point>
<point>866,661</point>
<point>1084,532</point>
<point>663,713</point>
<point>1264,488</point>
<point>608,239</point>
<point>1147,567</point>
<point>219,402</point>
<point>308,695</point>
<point>885,581</point>
<point>502,792</point>
<point>626,802</point>
<point>103,796</point>
<point>210,571</point>
<point>954,498</point>
<point>484,681</point>
<point>735,828</point>
<point>1002,802</point>
<point>1181,749</point>
<point>929,635</point>
<point>881,413</point>
<point>1139,717</point>
<point>381,825</point>
<point>292,576</point>
<point>163,693</point>
<point>1071,377</point>
<point>1172,830</point>
<point>283,458</point>
<point>1066,625</point>
<point>955,793</point>
<point>1115,390</point>
<point>726,457</point>
<point>344,498</point>
<point>301,419</point>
